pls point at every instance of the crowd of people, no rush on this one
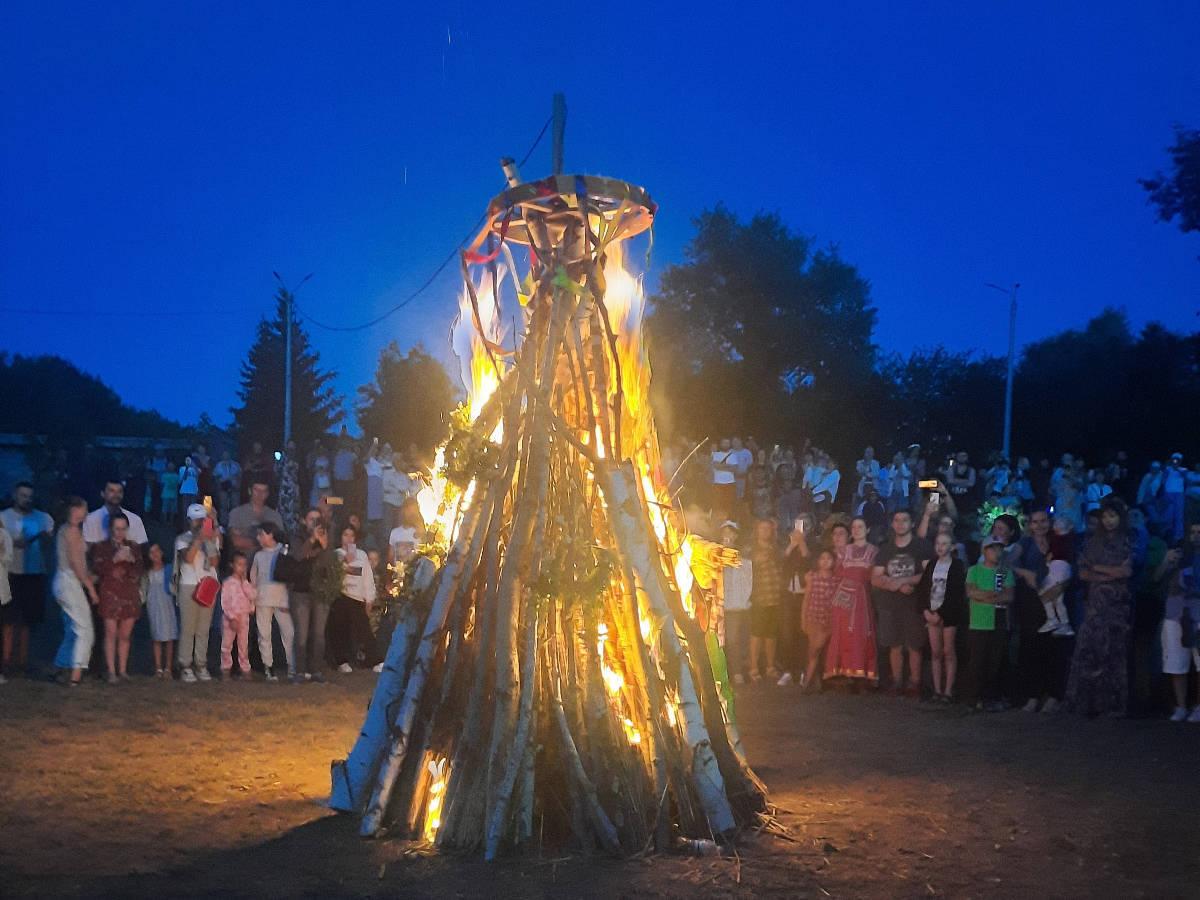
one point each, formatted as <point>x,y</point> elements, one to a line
<point>231,558</point>
<point>1037,585</point>
<point>1041,586</point>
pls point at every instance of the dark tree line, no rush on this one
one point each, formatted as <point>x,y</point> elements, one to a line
<point>758,333</point>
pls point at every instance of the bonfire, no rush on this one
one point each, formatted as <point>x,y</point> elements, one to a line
<point>554,686</point>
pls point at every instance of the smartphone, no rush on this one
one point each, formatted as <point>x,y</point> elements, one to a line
<point>334,501</point>
<point>278,456</point>
<point>801,525</point>
<point>928,484</point>
<point>207,502</point>
<point>935,499</point>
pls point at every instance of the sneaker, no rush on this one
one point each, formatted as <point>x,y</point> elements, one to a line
<point>270,675</point>
<point>755,677</point>
<point>1195,716</point>
<point>226,675</point>
<point>317,677</point>
<point>203,675</point>
<point>1050,706</point>
<point>294,678</point>
<point>945,699</point>
<point>1064,630</point>
<point>739,678</point>
<point>187,676</point>
<point>1048,626</point>
<point>994,706</point>
<point>1031,705</point>
<point>3,680</point>
<point>345,668</point>
<point>1180,714</point>
<point>159,673</point>
<point>784,680</point>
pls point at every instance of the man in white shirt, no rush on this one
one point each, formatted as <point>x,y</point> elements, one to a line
<point>95,526</point>
<point>229,485</point>
<point>724,478</point>
<point>742,458</point>
<point>31,531</point>
<point>1174,484</point>
<point>868,473</point>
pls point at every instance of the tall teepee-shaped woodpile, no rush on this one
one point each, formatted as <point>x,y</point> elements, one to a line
<point>553,685</point>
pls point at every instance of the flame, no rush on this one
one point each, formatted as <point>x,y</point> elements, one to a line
<point>683,574</point>
<point>439,774</point>
<point>631,733</point>
<point>625,300</point>
<point>478,371</point>
<point>613,680</point>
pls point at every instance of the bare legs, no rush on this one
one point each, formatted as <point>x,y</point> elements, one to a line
<point>816,646</point>
<point>163,653</point>
<point>117,633</point>
<point>944,659</point>
<point>759,646</point>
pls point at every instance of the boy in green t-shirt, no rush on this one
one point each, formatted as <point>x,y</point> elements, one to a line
<point>990,590</point>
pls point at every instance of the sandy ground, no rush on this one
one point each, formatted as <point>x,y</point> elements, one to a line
<point>167,790</point>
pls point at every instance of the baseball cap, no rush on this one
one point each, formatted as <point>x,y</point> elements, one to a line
<point>729,523</point>
<point>992,542</point>
<point>196,512</point>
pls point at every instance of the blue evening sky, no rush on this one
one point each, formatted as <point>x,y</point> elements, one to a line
<point>159,160</point>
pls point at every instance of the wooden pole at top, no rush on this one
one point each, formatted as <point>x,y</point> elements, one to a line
<point>560,128</point>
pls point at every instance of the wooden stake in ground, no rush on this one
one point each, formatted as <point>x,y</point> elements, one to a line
<point>552,687</point>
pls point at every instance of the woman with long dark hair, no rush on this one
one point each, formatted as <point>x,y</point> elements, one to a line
<point>1099,682</point>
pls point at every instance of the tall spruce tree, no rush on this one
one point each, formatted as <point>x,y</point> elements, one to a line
<point>316,408</point>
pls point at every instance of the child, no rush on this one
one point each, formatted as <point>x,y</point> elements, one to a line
<point>820,585</point>
<point>990,590</point>
<point>160,609</point>
<point>237,602</point>
<point>170,493</point>
<point>272,603</point>
<point>1051,591</point>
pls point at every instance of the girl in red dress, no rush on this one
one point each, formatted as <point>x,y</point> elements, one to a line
<point>820,585</point>
<point>851,652</point>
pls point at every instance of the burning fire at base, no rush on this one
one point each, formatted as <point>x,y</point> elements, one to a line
<point>554,684</point>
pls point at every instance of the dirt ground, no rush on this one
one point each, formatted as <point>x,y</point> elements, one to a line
<point>169,790</point>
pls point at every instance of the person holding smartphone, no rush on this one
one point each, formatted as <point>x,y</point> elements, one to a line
<point>349,622</point>
<point>197,552</point>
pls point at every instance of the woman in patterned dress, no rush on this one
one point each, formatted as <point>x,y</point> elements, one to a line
<point>118,565</point>
<point>851,651</point>
<point>1099,683</point>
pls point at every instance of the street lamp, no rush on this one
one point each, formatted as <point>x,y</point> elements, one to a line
<point>1012,350</point>
<point>289,300</point>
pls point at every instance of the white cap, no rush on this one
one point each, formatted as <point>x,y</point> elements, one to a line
<point>196,512</point>
<point>403,535</point>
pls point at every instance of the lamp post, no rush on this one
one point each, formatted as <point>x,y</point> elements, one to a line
<point>1012,351</point>
<point>289,300</point>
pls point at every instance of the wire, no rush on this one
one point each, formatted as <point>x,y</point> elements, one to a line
<point>97,313</point>
<point>425,285</point>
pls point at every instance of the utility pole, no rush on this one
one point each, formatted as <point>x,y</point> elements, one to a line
<point>289,302</point>
<point>560,129</point>
<point>1012,353</point>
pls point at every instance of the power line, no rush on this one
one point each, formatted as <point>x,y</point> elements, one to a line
<point>436,272</point>
<point>97,313</point>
